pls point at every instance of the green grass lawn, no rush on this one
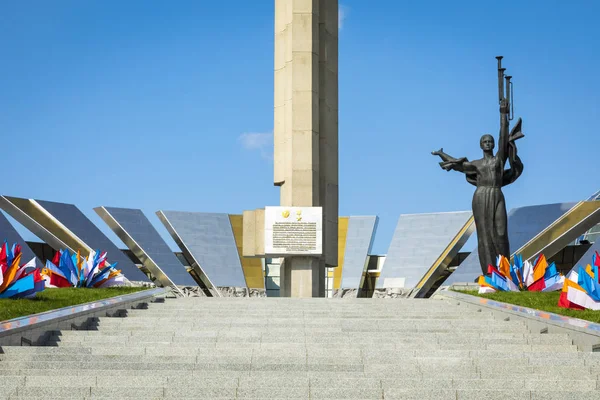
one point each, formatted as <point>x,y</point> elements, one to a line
<point>51,299</point>
<point>545,301</point>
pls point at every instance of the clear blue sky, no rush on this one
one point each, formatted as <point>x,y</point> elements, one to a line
<point>145,104</point>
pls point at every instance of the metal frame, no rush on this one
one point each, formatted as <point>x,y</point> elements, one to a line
<point>36,228</point>
<point>445,258</point>
<point>139,252</point>
<point>188,254</point>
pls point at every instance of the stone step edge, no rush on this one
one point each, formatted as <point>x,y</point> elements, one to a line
<point>585,334</point>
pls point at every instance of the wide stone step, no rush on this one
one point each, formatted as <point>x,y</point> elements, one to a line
<point>102,381</point>
<point>431,368</point>
<point>125,323</point>
<point>302,392</point>
<point>241,318</point>
<point>255,357</point>
<point>391,327</point>
<point>259,357</point>
<point>184,349</point>
<point>114,336</point>
<point>326,314</point>
<point>465,337</point>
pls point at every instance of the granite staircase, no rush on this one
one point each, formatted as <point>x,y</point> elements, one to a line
<point>232,348</point>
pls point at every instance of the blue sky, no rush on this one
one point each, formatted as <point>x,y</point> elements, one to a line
<point>169,105</point>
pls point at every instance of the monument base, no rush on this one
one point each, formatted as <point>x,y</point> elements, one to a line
<point>227,291</point>
<point>391,293</point>
<point>223,291</point>
<point>345,293</point>
<point>302,277</point>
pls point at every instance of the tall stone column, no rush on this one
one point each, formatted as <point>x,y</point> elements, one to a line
<point>306,128</point>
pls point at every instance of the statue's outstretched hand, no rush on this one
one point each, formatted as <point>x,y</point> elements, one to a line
<point>437,152</point>
<point>504,106</point>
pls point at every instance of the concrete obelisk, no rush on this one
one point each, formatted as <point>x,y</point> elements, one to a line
<point>306,129</point>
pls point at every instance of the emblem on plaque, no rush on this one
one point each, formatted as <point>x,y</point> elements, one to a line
<point>285,214</point>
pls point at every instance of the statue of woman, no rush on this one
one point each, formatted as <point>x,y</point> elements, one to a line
<point>489,175</point>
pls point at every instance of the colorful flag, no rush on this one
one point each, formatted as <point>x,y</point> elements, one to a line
<point>581,289</point>
<point>18,281</point>
<point>73,270</point>
<point>521,276</point>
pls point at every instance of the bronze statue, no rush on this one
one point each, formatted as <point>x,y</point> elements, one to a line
<point>489,175</point>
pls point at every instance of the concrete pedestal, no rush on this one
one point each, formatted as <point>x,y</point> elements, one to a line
<point>302,277</point>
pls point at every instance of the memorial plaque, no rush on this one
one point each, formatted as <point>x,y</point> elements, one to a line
<point>293,231</point>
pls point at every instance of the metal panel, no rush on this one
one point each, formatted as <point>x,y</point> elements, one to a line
<point>524,223</point>
<point>64,226</point>
<point>342,234</point>
<point>422,242</point>
<point>33,217</point>
<point>252,266</point>
<point>583,216</point>
<point>439,269</point>
<point>359,241</point>
<point>207,239</point>
<point>137,232</point>
<point>10,234</point>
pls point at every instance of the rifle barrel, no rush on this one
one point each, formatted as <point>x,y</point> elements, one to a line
<point>508,87</point>
<point>501,83</point>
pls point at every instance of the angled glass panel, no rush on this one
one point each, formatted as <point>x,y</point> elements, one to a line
<point>10,234</point>
<point>593,234</point>
<point>65,226</point>
<point>359,241</point>
<point>140,236</point>
<point>423,244</point>
<point>524,223</point>
<point>583,216</point>
<point>208,242</point>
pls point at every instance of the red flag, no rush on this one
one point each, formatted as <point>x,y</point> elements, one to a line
<point>56,258</point>
<point>565,303</point>
<point>59,281</point>
<point>537,286</point>
<point>3,259</point>
<point>492,269</point>
<point>37,276</point>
